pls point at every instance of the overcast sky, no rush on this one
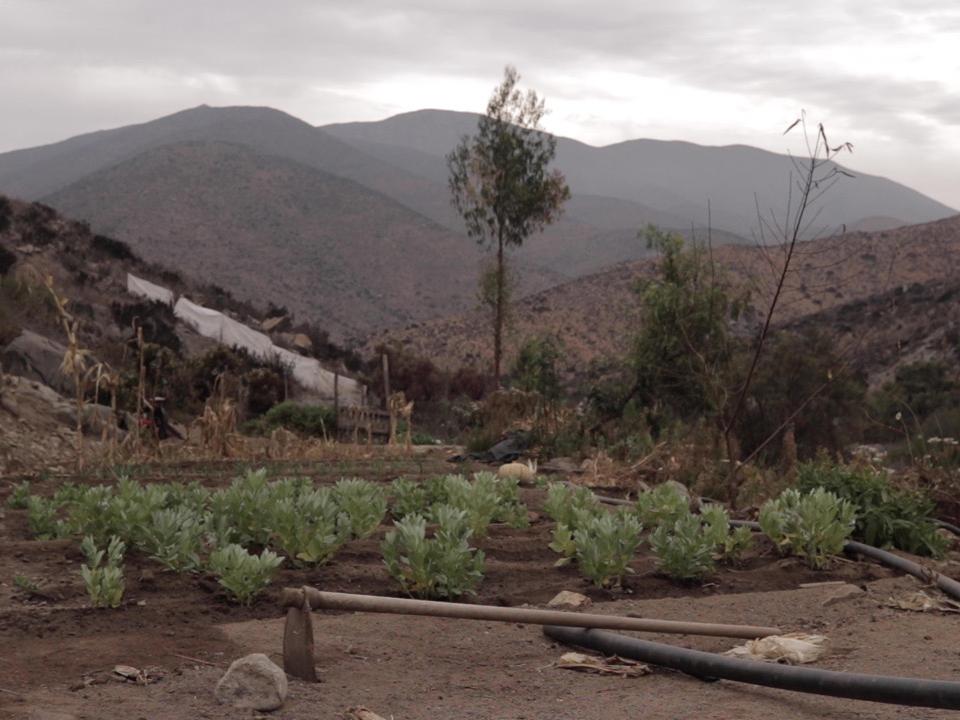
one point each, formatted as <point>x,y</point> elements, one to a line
<point>884,75</point>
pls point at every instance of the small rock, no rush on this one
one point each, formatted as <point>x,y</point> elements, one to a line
<point>302,342</point>
<point>275,324</point>
<point>253,682</point>
<point>844,592</point>
<point>684,491</point>
<point>567,600</point>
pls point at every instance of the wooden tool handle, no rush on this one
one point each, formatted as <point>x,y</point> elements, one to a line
<point>432,608</point>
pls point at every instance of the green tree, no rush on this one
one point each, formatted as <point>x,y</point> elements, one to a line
<point>502,184</point>
<point>682,354</point>
<point>536,367</point>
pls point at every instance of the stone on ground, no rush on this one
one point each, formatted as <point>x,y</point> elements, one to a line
<point>253,682</point>
<point>567,600</point>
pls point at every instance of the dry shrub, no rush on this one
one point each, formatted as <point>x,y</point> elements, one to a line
<point>218,424</point>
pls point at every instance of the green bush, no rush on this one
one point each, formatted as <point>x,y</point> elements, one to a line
<point>887,516</point>
<point>444,566</point>
<point>309,527</point>
<point>242,508</point>
<point>571,508</point>
<point>408,498</point>
<point>535,369</point>
<point>477,499</point>
<point>312,420</point>
<point>17,500</point>
<point>662,505</point>
<point>565,502</point>
<point>42,518</point>
<point>604,545</point>
<point>174,537</point>
<point>364,502</point>
<point>684,547</point>
<point>812,525</point>
<point>728,544</point>
<point>242,574</point>
<point>103,580</point>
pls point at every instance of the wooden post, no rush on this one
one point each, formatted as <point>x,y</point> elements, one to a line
<point>386,381</point>
<point>336,401</point>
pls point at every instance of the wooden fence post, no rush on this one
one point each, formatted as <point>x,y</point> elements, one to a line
<point>386,382</point>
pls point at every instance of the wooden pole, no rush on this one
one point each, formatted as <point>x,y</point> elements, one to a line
<point>366,603</point>
<point>336,404</point>
<point>386,382</point>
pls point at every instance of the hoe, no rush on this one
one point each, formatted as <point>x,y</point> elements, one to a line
<point>298,634</point>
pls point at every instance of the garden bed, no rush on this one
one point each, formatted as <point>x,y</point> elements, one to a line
<point>55,639</point>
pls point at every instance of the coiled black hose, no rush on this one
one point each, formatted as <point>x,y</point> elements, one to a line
<point>877,688</point>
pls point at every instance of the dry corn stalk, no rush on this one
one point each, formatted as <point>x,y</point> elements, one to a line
<point>74,362</point>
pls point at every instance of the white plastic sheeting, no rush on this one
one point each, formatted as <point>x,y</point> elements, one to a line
<point>145,288</point>
<point>306,371</point>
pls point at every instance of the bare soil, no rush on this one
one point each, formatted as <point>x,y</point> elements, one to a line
<point>58,653</point>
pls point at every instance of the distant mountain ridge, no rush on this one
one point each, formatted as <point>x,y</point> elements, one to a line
<point>352,223</point>
<point>675,178</point>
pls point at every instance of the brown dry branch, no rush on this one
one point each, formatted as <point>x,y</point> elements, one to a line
<point>816,175</point>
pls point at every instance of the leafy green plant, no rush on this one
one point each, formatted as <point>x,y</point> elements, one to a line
<point>174,537</point>
<point>510,509</point>
<point>478,499</point>
<point>662,505</point>
<point>728,544</point>
<point>95,512</point>
<point>570,507</point>
<point>68,493</point>
<point>242,574</point>
<point>605,544</point>
<point>102,573</point>
<point>813,525</point>
<point>313,420</point>
<point>685,548</point>
<point>309,528</point>
<point>364,503</point>
<point>22,582</point>
<point>42,518</point>
<point>19,496</point>
<point>408,498</point>
<point>564,502</point>
<point>244,506</point>
<point>444,566</point>
<point>887,515</point>
<point>736,543</point>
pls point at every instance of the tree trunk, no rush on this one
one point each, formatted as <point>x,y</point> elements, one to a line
<point>790,451</point>
<point>498,314</point>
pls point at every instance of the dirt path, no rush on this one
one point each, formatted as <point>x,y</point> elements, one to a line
<point>423,669</point>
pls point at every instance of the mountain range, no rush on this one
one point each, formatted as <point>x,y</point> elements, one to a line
<point>351,225</point>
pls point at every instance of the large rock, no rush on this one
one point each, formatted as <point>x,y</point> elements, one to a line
<point>38,358</point>
<point>254,683</point>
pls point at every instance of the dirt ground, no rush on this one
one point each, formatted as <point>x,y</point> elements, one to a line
<point>58,654</point>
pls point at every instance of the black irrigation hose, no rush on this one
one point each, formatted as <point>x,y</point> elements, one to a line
<point>950,586</point>
<point>878,688</point>
<point>948,526</point>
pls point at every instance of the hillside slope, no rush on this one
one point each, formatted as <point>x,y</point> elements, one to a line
<point>597,316</point>
<point>327,247</point>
